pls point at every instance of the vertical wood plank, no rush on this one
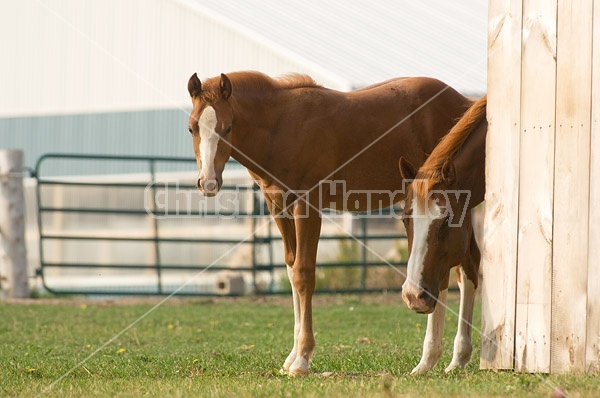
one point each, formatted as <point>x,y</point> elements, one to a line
<point>571,185</point>
<point>499,246</point>
<point>593,274</point>
<point>536,187</point>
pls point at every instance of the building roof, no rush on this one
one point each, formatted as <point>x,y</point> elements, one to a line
<point>68,60</point>
<point>366,42</point>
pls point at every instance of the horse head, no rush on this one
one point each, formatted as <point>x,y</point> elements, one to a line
<point>438,229</point>
<point>210,125</point>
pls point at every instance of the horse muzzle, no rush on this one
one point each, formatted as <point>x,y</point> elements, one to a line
<point>420,300</point>
<point>208,187</point>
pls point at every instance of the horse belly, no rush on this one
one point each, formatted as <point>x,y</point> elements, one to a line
<point>359,193</point>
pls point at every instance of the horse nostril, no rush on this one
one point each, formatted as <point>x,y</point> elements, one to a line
<point>424,295</point>
<point>199,183</point>
<point>211,186</point>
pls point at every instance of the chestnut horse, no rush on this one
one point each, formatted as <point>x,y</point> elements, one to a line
<point>294,136</point>
<point>438,221</point>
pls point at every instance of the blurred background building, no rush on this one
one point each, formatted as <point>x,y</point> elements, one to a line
<point>110,76</point>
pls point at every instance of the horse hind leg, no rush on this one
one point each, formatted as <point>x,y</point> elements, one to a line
<point>463,346</point>
<point>308,228</point>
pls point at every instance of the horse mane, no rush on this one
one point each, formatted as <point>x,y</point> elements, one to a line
<point>253,82</point>
<point>430,173</point>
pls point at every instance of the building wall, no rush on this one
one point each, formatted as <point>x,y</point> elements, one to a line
<point>112,55</point>
<point>110,77</point>
<point>141,133</point>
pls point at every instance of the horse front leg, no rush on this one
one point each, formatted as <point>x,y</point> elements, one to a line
<point>432,344</point>
<point>296,302</point>
<point>285,224</point>
<point>288,233</point>
<point>467,272</point>
<point>308,228</point>
<point>463,347</point>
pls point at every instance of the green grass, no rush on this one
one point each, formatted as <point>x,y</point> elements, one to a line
<point>235,348</point>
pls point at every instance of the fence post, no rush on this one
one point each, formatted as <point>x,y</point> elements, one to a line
<point>13,257</point>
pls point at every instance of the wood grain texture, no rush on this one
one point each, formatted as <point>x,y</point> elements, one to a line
<point>593,272</point>
<point>536,187</point>
<point>499,246</point>
<point>571,185</point>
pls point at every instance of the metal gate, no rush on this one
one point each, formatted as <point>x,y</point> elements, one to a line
<point>136,225</point>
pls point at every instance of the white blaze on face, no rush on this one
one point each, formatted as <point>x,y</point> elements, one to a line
<point>423,216</point>
<point>208,142</point>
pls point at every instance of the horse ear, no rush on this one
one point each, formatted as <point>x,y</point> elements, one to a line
<point>194,86</point>
<point>407,170</point>
<point>225,87</point>
<point>448,172</point>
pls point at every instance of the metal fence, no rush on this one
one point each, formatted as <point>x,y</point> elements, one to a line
<point>134,225</point>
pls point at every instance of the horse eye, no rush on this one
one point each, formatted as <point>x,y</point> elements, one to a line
<point>227,131</point>
<point>445,224</point>
<point>406,216</point>
<point>190,130</point>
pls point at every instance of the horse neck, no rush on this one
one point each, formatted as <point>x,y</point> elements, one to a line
<point>470,165</point>
<point>253,124</point>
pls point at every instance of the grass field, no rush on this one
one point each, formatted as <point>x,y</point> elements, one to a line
<point>366,346</point>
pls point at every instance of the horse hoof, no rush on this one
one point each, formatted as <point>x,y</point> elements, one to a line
<point>298,372</point>
<point>453,366</point>
<point>450,368</point>
<point>287,366</point>
<point>299,367</point>
<point>290,360</point>
<point>420,369</point>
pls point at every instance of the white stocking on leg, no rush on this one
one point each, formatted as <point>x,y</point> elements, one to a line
<point>432,344</point>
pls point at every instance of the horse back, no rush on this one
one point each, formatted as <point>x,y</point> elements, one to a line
<point>358,137</point>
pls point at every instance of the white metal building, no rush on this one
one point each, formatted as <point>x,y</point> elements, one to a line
<point>109,76</point>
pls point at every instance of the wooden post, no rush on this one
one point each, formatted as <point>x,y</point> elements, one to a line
<point>13,258</point>
<point>499,245</point>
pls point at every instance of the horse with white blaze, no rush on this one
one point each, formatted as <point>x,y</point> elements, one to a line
<point>437,216</point>
<point>294,135</point>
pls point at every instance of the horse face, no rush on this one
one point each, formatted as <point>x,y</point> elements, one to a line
<point>210,125</point>
<point>438,238</point>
